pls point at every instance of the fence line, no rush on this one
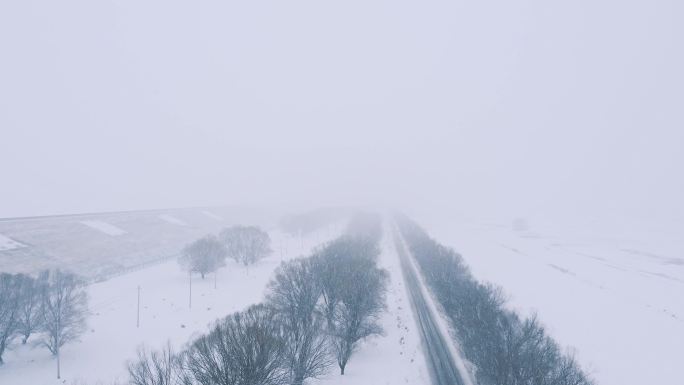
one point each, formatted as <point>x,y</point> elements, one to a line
<point>129,269</point>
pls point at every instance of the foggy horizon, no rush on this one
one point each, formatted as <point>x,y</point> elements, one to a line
<point>519,108</point>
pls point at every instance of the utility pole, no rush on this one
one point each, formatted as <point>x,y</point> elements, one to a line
<point>137,324</point>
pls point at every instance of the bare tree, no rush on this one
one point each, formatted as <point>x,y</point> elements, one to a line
<point>64,308</point>
<point>352,288</point>
<point>328,282</point>
<point>568,372</point>
<point>361,305</point>
<point>157,368</point>
<point>10,306</point>
<point>246,244</point>
<point>335,265</point>
<point>30,311</point>
<point>294,294</point>
<point>203,256</point>
<point>244,349</point>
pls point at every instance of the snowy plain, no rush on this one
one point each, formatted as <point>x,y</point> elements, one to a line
<point>165,315</point>
<point>612,297</point>
<point>104,227</point>
<point>173,220</point>
<point>7,243</point>
<point>613,294</point>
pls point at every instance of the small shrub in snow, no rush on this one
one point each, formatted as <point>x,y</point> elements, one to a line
<point>156,368</point>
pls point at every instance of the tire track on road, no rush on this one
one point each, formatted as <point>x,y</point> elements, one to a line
<point>440,360</point>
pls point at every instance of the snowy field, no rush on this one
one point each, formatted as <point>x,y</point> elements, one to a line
<point>173,220</point>
<point>7,243</point>
<point>100,244</point>
<point>614,294</point>
<point>165,315</point>
<point>104,227</point>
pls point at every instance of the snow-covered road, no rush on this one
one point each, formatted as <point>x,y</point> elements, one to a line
<point>446,365</point>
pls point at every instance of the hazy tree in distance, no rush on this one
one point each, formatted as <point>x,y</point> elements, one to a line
<point>203,256</point>
<point>30,310</point>
<point>294,294</point>
<point>64,305</point>
<point>246,244</point>
<point>10,303</point>
<point>245,348</point>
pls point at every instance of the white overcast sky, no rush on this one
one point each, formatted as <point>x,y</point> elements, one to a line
<point>480,105</point>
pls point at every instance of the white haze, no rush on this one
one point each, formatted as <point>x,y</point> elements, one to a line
<point>496,106</point>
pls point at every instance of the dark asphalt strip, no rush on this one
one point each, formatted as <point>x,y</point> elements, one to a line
<point>441,364</point>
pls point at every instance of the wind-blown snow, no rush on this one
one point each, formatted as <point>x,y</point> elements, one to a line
<point>172,220</point>
<point>212,215</point>
<point>104,227</point>
<point>7,243</point>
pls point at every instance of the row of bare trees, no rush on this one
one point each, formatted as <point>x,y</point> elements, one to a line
<point>245,244</point>
<point>316,312</point>
<point>504,347</point>
<point>53,305</point>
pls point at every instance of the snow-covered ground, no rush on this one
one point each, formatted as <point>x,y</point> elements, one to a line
<point>165,315</point>
<point>98,245</point>
<point>104,227</point>
<point>7,243</point>
<point>615,294</point>
<point>212,215</point>
<point>172,220</point>
<point>112,336</point>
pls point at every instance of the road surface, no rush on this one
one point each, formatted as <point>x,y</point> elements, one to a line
<point>440,360</point>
